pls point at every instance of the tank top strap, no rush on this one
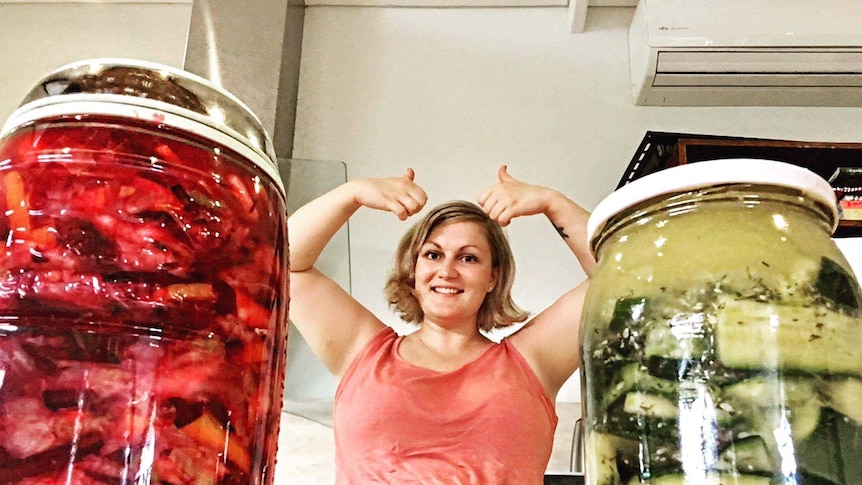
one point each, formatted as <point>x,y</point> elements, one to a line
<point>385,338</point>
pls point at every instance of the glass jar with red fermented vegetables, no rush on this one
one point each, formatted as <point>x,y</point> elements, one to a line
<point>143,282</point>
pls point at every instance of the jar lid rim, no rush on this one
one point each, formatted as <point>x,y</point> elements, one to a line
<point>709,173</point>
<point>139,83</point>
<point>88,105</point>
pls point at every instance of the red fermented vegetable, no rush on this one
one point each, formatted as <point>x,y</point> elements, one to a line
<point>141,284</point>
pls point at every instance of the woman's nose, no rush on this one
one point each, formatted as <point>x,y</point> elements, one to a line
<point>447,269</point>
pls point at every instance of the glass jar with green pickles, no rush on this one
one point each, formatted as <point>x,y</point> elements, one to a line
<point>722,338</point>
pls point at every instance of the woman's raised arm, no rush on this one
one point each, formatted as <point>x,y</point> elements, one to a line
<point>511,198</point>
<point>549,341</point>
<point>312,226</point>
<point>334,324</point>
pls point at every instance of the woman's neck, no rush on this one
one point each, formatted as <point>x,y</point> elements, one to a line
<point>442,348</point>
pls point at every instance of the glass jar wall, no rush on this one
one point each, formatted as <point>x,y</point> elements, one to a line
<point>143,294</point>
<point>722,336</point>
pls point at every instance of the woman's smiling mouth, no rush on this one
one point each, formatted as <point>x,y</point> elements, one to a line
<point>446,290</point>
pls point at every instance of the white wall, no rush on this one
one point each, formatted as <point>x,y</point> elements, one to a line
<point>37,37</point>
<point>454,93</point>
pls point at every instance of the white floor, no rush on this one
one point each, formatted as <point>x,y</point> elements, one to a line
<point>306,449</point>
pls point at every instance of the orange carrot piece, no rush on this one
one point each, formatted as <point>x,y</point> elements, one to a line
<point>192,291</point>
<point>250,312</point>
<point>166,153</point>
<point>17,204</point>
<point>44,237</point>
<point>208,432</point>
<point>185,291</point>
<point>252,352</point>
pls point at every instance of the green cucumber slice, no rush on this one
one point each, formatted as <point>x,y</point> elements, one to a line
<point>850,443</point>
<point>820,455</point>
<point>845,396</point>
<point>651,405</point>
<point>683,336</point>
<point>836,284</point>
<point>770,402</point>
<point>712,479</point>
<point>635,376</point>
<point>628,313</point>
<point>767,391</point>
<point>751,334</point>
<point>747,455</point>
<point>600,461</point>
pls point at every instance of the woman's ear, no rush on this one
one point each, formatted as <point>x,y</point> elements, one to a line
<point>493,282</point>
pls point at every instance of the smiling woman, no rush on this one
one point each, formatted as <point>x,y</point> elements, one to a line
<point>454,273</point>
<point>444,403</point>
<point>455,237</point>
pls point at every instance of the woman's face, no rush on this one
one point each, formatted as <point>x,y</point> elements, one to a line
<point>454,272</point>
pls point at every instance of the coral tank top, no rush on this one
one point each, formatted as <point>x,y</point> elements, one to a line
<point>488,422</point>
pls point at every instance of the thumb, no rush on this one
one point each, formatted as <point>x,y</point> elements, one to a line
<point>409,174</point>
<point>503,174</point>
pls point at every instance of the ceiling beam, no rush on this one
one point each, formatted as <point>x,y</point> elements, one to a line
<point>577,15</point>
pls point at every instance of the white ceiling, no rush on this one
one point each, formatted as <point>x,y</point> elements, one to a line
<point>467,3</point>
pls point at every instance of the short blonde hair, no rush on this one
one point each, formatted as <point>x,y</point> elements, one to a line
<point>498,309</point>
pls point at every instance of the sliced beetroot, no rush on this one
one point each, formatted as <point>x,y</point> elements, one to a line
<point>49,461</point>
<point>84,347</point>
<point>135,301</point>
<point>185,411</point>
<point>84,240</point>
<point>57,399</point>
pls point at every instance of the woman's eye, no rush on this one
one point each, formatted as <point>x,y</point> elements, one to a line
<point>469,258</point>
<point>432,254</point>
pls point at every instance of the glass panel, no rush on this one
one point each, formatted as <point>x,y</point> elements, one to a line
<point>309,387</point>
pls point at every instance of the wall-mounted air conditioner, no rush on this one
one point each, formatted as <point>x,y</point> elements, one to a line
<point>746,52</point>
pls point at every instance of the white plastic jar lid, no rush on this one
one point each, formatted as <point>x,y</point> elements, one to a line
<point>705,174</point>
